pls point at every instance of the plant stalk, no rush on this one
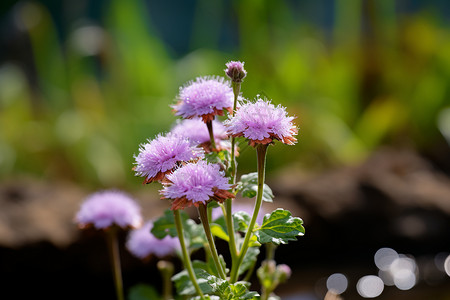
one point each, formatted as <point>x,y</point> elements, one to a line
<point>113,246</point>
<point>186,257</point>
<point>166,270</point>
<point>261,151</point>
<point>211,135</point>
<point>212,246</point>
<point>228,203</point>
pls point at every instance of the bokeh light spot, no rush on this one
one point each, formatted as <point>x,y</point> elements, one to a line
<point>370,286</point>
<point>384,258</point>
<point>337,283</point>
<point>447,265</point>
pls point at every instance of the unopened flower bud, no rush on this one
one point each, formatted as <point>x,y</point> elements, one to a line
<point>166,267</point>
<point>235,70</point>
<point>284,272</point>
<point>266,273</point>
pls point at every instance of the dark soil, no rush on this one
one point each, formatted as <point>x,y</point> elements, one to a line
<point>395,199</point>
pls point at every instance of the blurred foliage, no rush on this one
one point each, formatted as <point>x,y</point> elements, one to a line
<point>374,77</point>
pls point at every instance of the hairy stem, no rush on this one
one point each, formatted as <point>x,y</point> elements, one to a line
<point>212,246</point>
<point>261,151</point>
<point>186,257</point>
<point>228,203</point>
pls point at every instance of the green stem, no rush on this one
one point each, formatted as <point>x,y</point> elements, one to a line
<point>113,246</point>
<point>236,90</point>
<point>186,258</point>
<point>261,158</point>
<point>270,251</point>
<point>230,229</point>
<point>212,246</point>
<point>211,134</point>
<point>228,203</point>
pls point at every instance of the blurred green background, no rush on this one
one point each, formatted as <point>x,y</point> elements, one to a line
<point>83,83</point>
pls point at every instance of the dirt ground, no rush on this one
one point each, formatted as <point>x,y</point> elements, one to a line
<point>396,198</point>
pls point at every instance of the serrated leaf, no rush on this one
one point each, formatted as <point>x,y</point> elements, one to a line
<point>241,220</point>
<point>212,266</point>
<point>184,286</point>
<point>240,291</point>
<point>279,228</point>
<point>193,232</point>
<point>248,186</point>
<point>226,290</point>
<point>165,225</point>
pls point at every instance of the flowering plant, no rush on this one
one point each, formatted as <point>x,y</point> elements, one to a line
<point>196,164</point>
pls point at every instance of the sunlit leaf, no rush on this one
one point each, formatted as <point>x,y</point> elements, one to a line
<point>279,228</point>
<point>248,186</point>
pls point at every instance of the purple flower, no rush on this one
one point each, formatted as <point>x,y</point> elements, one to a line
<point>235,70</point>
<point>142,243</point>
<point>195,184</point>
<point>161,155</point>
<point>197,132</point>
<point>261,123</point>
<point>106,208</point>
<point>204,98</point>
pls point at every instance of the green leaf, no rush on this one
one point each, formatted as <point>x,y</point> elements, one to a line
<point>249,260</point>
<point>184,285</point>
<point>220,157</point>
<point>142,292</point>
<point>165,225</point>
<point>219,232</point>
<point>248,186</point>
<point>240,291</point>
<point>195,235</point>
<point>241,220</point>
<point>213,204</point>
<point>279,228</point>
<point>212,266</point>
<point>225,290</point>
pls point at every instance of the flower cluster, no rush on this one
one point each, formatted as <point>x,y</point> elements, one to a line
<point>196,165</point>
<point>205,98</point>
<point>162,155</point>
<point>197,133</point>
<point>262,123</point>
<point>196,183</point>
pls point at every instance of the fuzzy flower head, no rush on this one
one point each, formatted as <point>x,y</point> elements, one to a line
<point>262,123</point>
<point>205,98</point>
<point>235,70</point>
<point>107,208</point>
<point>142,243</point>
<point>195,184</point>
<point>160,156</point>
<point>197,133</point>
